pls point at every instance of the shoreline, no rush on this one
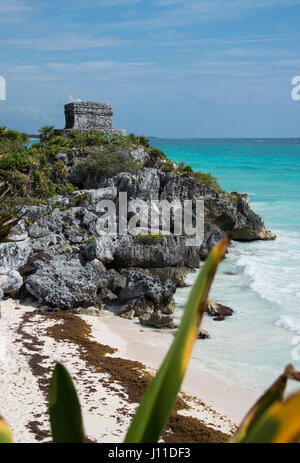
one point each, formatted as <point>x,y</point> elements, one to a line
<point>151,345</point>
<point>28,353</point>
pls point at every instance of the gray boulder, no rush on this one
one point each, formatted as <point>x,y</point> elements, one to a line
<point>146,297</point>
<point>77,224</point>
<point>92,197</point>
<point>67,284</point>
<point>140,285</point>
<point>10,281</point>
<point>14,255</point>
<point>203,334</point>
<point>102,248</point>
<point>176,274</point>
<point>172,252</point>
<point>218,311</point>
<point>157,320</point>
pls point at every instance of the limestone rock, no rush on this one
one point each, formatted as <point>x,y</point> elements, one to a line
<point>128,314</point>
<point>67,284</point>
<point>139,306</point>
<point>218,311</point>
<point>230,215</point>
<point>102,248</point>
<point>140,285</point>
<point>176,274</point>
<point>157,320</point>
<point>92,311</point>
<point>106,296</point>
<point>171,253</point>
<point>94,196</point>
<point>14,255</point>
<point>203,334</point>
<point>10,281</point>
<point>146,297</point>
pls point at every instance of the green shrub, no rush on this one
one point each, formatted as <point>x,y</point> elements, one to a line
<point>104,165</point>
<point>180,166</point>
<point>60,141</point>
<point>64,189</point>
<point>150,238</point>
<point>59,172</point>
<point>187,169</point>
<point>209,180</point>
<point>157,153</point>
<point>143,141</point>
<point>96,138</point>
<point>183,168</point>
<point>168,166</point>
<point>12,141</point>
<point>81,198</point>
<point>47,133</point>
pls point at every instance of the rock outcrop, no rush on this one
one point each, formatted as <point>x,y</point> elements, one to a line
<point>146,297</point>
<point>203,334</point>
<point>64,261</point>
<point>218,311</point>
<point>12,256</point>
<point>223,214</point>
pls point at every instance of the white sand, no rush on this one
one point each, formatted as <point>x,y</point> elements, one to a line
<point>105,413</point>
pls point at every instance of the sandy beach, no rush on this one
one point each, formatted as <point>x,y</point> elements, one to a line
<point>31,343</point>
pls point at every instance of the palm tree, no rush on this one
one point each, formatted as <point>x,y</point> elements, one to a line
<point>47,132</point>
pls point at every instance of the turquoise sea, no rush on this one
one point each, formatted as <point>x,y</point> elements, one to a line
<point>252,347</point>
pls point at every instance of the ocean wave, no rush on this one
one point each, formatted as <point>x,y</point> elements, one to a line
<point>273,268</point>
<point>286,322</point>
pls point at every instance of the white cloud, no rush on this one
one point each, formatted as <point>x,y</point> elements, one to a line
<point>174,13</point>
<point>72,99</point>
<point>112,3</point>
<point>14,10</point>
<point>85,71</point>
<point>25,111</point>
<point>63,42</point>
<point>232,40</point>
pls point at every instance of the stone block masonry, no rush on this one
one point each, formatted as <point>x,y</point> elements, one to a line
<point>90,116</point>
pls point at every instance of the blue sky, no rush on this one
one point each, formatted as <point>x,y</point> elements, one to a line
<point>170,68</point>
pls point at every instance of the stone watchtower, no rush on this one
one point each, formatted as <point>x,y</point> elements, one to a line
<point>90,116</point>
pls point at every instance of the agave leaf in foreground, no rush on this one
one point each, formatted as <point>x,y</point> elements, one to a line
<point>158,401</point>
<point>272,395</point>
<point>5,435</point>
<point>279,424</point>
<point>64,408</point>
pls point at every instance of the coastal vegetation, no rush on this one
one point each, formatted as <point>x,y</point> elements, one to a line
<point>8,220</point>
<point>102,165</point>
<point>33,174</point>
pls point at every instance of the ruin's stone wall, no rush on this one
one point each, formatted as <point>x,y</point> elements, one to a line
<point>90,116</point>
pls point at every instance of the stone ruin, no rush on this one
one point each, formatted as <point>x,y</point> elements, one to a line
<point>90,116</point>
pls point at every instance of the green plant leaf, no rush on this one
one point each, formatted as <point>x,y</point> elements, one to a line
<point>64,408</point>
<point>272,395</point>
<point>158,401</point>
<point>5,435</point>
<point>279,424</point>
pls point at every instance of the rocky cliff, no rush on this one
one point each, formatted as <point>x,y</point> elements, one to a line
<point>63,261</point>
